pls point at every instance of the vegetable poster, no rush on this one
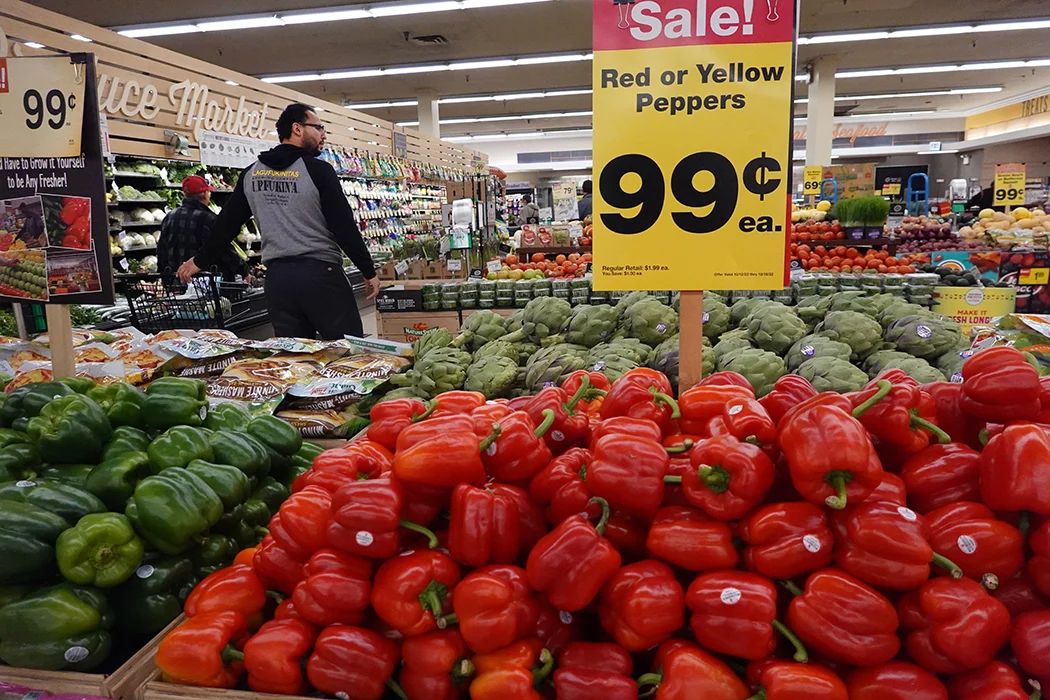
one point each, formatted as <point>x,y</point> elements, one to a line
<point>54,240</point>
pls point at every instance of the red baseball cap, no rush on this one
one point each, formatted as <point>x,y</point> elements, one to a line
<point>195,184</point>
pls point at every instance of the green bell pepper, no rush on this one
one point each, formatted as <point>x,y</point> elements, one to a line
<point>12,437</point>
<point>271,492</point>
<point>122,403</point>
<point>306,454</point>
<point>114,480</point>
<point>71,474</point>
<point>229,483</point>
<point>67,502</point>
<point>9,594</point>
<point>101,550</point>
<point>63,627</point>
<point>70,430</point>
<point>19,461</point>
<point>80,385</point>
<point>26,401</point>
<point>242,451</point>
<point>279,436</point>
<point>215,553</point>
<point>172,401</point>
<point>27,538</point>
<point>246,523</point>
<point>228,416</point>
<point>148,601</point>
<point>178,386</point>
<point>125,439</point>
<point>171,509</point>
<point>177,447</point>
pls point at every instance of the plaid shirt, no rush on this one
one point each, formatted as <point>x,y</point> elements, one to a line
<point>182,235</point>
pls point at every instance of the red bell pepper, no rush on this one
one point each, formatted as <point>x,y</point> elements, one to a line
<point>1015,469</point>
<point>436,666</point>
<point>455,403</point>
<point>684,671</point>
<point>519,452</point>
<point>642,605</point>
<point>336,589</point>
<point>333,469</point>
<point>495,607</point>
<point>726,378</point>
<point>1020,595</point>
<point>488,413</point>
<point>994,681</point>
<point>285,611</point>
<point>627,534</point>
<point>642,393</point>
<point>947,397</point>
<point>1039,563</point>
<point>595,671</point>
<point>511,672</point>
<point>895,680</point>
<point>850,470</point>
<point>531,523</point>
<point>389,418</point>
<point>74,208</point>
<point>678,464</point>
<point>784,680</point>
<point>569,427</point>
<point>562,486</point>
<point>999,385</point>
<point>704,402</point>
<point>483,527</point>
<point>728,479</point>
<point>202,651</point>
<point>301,525</point>
<point>598,386</point>
<point>352,662</point>
<point>1030,642</point>
<point>747,420</point>
<point>689,539</point>
<point>274,657</point>
<point>629,472</point>
<point>986,549</point>
<point>955,625</point>
<point>886,545</point>
<point>412,593</point>
<point>735,613</point>
<point>788,392</point>
<point>235,588</point>
<point>824,398</point>
<point>432,428</point>
<point>572,562</point>
<point>276,567</point>
<point>896,411</point>
<point>786,540</point>
<point>942,474</point>
<point>625,425</point>
<point>442,460</point>
<point>844,619</point>
<point>366,519</point>
<point>556,629</point>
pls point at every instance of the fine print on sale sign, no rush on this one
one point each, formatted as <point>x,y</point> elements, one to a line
<point>692,140</point>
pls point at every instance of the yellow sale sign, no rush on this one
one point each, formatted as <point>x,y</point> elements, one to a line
<point>812,177</point>
<point>692,144</point>
<point>41,106</point>
<point>1009,185</point>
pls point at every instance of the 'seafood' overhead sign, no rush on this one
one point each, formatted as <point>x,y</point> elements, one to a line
<point>692,140</point>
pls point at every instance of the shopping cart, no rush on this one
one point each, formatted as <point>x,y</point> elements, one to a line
<point>163,302</point>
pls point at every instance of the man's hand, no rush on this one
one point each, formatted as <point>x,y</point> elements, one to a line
<point>373,287</point>
<point>188,269</point>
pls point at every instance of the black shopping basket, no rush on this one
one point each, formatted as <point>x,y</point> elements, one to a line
<point>161,302</point>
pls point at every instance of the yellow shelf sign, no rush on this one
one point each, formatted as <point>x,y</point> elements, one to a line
<point>812,176</point>
<point>692,144</point>
<point>1033,275</point>
<point>41,107</point>
<point>1009,185</point>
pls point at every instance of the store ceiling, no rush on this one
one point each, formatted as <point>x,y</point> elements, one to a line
<point>564,27</point>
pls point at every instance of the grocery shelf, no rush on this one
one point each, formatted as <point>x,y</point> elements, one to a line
<point>136,202</point>
<point>136,251</point>
<point>554,249</point>
<point>137,224</point>
<point>144,176</point>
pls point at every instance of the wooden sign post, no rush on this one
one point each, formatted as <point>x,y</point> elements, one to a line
<point>690,340</point>
<point>60,332</point>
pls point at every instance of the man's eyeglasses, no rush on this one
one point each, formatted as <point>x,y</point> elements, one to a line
<point>320,127</point>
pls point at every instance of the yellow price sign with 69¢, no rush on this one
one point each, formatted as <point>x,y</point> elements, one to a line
<point>692,134</point>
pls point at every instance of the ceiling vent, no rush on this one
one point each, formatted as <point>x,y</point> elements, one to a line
<point>428,40</point>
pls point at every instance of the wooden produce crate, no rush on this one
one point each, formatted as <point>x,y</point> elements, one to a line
<point>407,327</point>
<point>157,690</point>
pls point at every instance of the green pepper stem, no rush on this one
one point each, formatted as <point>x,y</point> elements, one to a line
<point>445,621</point>
<point>585,384</point>
<point>884,388</point>
<point>672,479</point>
<point>463,669</point>
<point>395,688</point>
<point>1024,523</point>
<point>661,397</point>
<point>990,581</point>
<point>838,481</point>
<point>431,537</point>
<point>431,405</point>
<point>948,565</point>
<point>484,444</point>
<point>546,666</point>
<point>230,654</point>
<point>715,478</point>
<point>984,436</point>
<point>791,588</point>
<point>433,598</point>
<point>548,421</point>
<point>801,655</point>
<point>918,421</point>
<point>760,695</point>
<point>600,527</point>
<point>653,679</point>
<point>686,445</point>
<point>1038,693</point>
<point>275,596</point>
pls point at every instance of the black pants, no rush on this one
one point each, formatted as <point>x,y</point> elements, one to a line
<point>307,297</point>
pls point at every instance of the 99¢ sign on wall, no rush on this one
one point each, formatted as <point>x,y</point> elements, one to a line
<point>692,143</point>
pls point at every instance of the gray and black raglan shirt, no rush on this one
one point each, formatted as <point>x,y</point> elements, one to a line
<point>299,207</point>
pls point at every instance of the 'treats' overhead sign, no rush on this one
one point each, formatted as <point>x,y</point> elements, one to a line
<point>692,139</point>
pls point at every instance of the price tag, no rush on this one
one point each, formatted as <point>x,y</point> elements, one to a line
<point>1009,185</point>
<point>41,107</point>
<point>401,267</point>
<point>891,188</point>
<point>575,230</point>
<point>706,212</point>
<point>454,265</point>
<point>1033,275</point>
<point>812,176</point>
<point>494,265</point>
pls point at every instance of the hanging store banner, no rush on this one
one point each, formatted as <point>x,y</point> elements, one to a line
<point>692,143</point>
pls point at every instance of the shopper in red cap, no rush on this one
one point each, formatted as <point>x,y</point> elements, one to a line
<point>185,229</point>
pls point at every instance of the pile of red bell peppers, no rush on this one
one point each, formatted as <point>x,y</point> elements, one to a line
<point>597,542</point>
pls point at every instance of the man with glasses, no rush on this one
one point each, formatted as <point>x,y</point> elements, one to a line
<point>306,226</point>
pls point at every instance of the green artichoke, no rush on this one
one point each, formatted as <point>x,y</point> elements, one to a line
<point>731,340</point>
<point>742,309</point>
<point>761,368</point>
<point>774,327</point>
<point>854,301</point>
<point>862,333</point>
<point>481,327</point>
<point>900,308</point>
<point>708,359</point>
<point>832,374</point>
<point>513,322</point>
<point>542,317</point>
<point>633,348</point>
<point>716,317</point>
<point>923,336</point>
<point>813,346</point>
<point>550,365</point>
<point>951,362</point>
<point>877,361</point>
<point>920,370</point>
<point>499,348</point>
<point>628,300</point>
<point>613,367</point>
<point>493,376</point>
<point>441,370</point>
<point>589,325</point>
<point>404,392</point>
<point>665,359</point>
<point>525,351</point>
<point>676,299</point>
<point>432,339</point>
<point>650,321</point>
<point>813,309</point>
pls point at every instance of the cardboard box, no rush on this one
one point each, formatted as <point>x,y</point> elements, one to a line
<point>414,271</point>
<point>461,273</point>
<point>435,270</point>
<point>386,271</point>
<point>399,299</point>
<point>407,327</point>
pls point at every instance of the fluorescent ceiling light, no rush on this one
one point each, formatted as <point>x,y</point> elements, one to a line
<point>862,115</point>
<point>930,31</point>
<point>242,23</point>
<point>404,70</point>
<point>507,118</point>
<point>912,32</point>
<point>413,8</point>
<point>80,37</point>
<point>522,135</point>
<point>478,4</point>
<point>333,16</point>
<point>231,82</point>
<point>802,77</point>
<point>902,95</point>
<point>1013,26</point>
<point>382,105</point>
<point>835,38</point>
<point>292,78</point>
<point>919,70</point>
<point>169,30</point>
<point>465,99</point>
<point>994,65</point>
<point>872,73</point>
<point>340,75</point>
<point>493,63</point>
<point>431,68</point>
<point>934,153</point>
<point>33,45</point>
